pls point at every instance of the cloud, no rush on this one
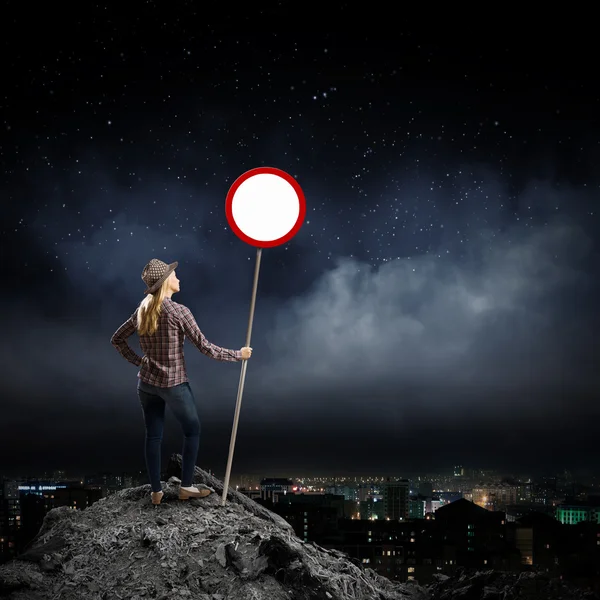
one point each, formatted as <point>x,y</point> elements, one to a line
<point>489,322</point>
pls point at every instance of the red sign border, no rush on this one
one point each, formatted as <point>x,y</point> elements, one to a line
<point>229,207</point>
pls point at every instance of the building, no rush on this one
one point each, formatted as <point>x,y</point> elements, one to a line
<point>399,550</point>
<point>572,513</point>
<point>372,508</point>
<point>349,492</point>
<point>537,536</point>
<point>495,496</point>
<point>272,487</point>
<point>313,516</point>
<point>475,537</point>
<point>396,499</point>
<point>10,520</point>
<point>416,507</point>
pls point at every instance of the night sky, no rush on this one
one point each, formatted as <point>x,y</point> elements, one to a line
<point>438,305</point>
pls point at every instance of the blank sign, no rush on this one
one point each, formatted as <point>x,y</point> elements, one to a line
<point>265,207</point>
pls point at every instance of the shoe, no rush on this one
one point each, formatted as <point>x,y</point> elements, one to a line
<point>156,497</point>
<point>185,493</point>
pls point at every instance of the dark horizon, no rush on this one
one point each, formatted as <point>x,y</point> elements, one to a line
<point>576,475</point>
<point>437,307</point>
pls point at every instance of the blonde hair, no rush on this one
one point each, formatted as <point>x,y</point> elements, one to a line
<point>149,310</point>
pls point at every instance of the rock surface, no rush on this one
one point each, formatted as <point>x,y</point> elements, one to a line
<point>122,547</point>
<point>494,585</point>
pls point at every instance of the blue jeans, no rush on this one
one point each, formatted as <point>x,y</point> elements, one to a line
<point>181,400</point>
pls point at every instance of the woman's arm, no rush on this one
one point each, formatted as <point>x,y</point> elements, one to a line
<point>119,341</point>
<point>192,331</point>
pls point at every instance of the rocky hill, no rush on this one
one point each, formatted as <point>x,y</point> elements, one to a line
<point>122,547</point>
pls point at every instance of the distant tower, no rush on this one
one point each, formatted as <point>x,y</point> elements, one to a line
<point>395,499</point>
<point>459,471</point>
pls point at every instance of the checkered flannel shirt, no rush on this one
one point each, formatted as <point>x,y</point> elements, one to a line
<point>163,364</point>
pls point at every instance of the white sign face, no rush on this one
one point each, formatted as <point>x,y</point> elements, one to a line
<point>265,207</point>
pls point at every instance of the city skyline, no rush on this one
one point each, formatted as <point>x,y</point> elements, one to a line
<point>438,305</point>
<point>404,532</point>
<point>459,474</point>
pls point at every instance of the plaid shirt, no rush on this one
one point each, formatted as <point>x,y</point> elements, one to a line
<point>163,364</point>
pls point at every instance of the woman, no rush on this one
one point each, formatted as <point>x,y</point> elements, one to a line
<point>162,325</point>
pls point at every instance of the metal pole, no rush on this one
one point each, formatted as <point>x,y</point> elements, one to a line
<point>238,404</point>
